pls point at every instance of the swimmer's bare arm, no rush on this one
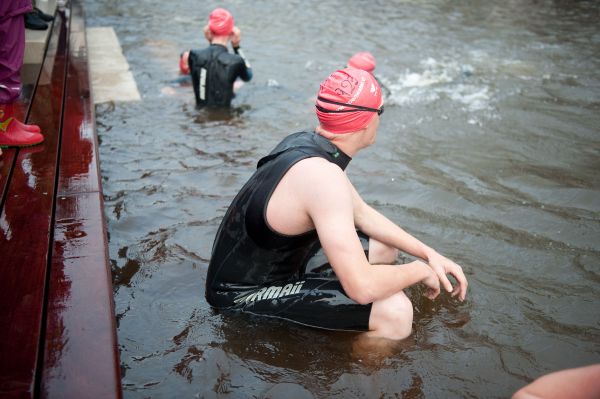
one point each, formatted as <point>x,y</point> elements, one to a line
<point>236,38</point>
<point>329,205</point>
<point>377,226</point>
<point>576,383</point>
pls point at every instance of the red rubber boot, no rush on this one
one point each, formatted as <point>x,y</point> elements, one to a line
<point>29,128</point>
<point>23,126</point>
<point>13,135</point>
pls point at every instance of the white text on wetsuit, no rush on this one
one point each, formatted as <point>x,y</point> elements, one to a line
<point>272,292</point>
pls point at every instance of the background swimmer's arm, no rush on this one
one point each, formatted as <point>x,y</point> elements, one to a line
<point>246,72</point>
<point>236,38</point>
<point>207,33</point>
<point>377,226</point>
<point>194,74</point>
<point>329,206</point>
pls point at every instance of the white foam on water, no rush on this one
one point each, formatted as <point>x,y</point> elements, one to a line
<point>437,80</point>
<point>474,98</point>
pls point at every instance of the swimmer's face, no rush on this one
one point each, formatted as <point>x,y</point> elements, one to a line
<point>372,127</point>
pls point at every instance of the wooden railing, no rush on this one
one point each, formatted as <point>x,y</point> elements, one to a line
<point>57,325</point>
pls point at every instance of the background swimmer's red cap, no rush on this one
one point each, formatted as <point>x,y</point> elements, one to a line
<point>349,86</point>
<point>220,22</point>
<point>184,67</point>
<point>363,60</point>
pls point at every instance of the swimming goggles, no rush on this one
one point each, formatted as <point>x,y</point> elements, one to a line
<point>354,107</point>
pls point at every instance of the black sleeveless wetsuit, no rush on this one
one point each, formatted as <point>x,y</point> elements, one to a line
<point>213,70</point>
<point>257,270</point>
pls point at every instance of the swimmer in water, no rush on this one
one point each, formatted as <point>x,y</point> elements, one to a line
<point>214,69</point>
<point>365,61</point>
<point>299,207</point>
<point>184,67</point>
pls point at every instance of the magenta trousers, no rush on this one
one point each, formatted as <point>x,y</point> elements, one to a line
<point>12,49</point>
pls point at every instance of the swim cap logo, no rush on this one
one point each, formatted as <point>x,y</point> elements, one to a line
<point>272,292</point>
<point>352,88</point>
<point>360,89</point>
<point>347,86</point>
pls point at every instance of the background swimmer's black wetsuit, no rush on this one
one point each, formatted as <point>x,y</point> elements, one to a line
<point>256,270</point>
<point>213,70</point>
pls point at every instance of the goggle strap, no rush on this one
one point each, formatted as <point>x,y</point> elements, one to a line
<point>358,107</point>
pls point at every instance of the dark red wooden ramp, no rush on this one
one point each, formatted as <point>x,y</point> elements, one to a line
<point>57,329</point>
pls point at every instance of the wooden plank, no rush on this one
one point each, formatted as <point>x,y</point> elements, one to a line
<point>79,170</point>
<point>19,110</point>
<point>81,358</point>
<point>6,163</point>
<point>80,352</point>
<point>25,223</point>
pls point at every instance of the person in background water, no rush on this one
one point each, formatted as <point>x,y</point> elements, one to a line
<point>365,61</point>
<point>13,133</point>
<point>214,69</point>
<point>184,67</point>
<point>37,19</point>
<point>300,204</point>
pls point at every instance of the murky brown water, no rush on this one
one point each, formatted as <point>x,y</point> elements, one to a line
<point>489,150</point>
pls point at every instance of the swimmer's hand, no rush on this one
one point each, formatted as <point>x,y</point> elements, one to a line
<point>432,282</point>
<point>207,33</point>
<point>444,266</point>
<point>236,37</point>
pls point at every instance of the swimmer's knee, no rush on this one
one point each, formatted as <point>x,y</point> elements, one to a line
<point>380,253</point>
<point>392,317</point>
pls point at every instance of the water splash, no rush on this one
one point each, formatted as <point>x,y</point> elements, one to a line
<point>441,80</point>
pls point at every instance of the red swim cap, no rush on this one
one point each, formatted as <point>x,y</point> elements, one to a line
<point>184,67</point>
<point>353,87</point>
<point>220,22</point>
<point>364,61</point>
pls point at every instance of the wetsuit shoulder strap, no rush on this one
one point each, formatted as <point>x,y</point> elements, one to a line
<point>309,143</point>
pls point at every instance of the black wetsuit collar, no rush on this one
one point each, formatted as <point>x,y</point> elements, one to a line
<point>307,142</point>
<point>337,156</point>
<point>218,45</point>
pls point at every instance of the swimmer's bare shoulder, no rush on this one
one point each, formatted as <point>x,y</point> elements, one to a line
<point>310,174</point>
<point>311,183</point>
<point>324,191</point>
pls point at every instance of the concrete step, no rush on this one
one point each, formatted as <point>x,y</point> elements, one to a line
<point>112,79</point>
